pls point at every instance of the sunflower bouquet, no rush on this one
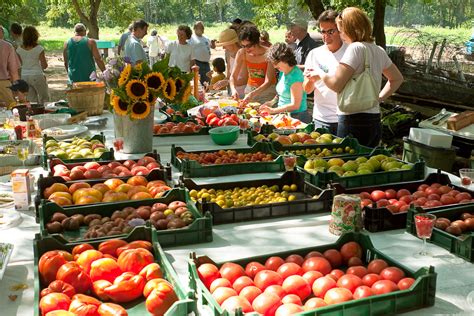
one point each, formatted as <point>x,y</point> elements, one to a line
<point>135,90</point>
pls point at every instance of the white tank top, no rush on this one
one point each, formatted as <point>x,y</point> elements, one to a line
<point>30,63</point>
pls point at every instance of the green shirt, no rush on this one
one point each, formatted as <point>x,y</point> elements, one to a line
<point>283,88</point>
<point>80,61</point>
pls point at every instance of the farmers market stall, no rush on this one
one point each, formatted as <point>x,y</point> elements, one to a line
<point>234,241</point>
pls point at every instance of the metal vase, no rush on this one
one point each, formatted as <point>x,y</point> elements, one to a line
<point>137,134</point>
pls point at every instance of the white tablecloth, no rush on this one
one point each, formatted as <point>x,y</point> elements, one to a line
<point>233,241</point>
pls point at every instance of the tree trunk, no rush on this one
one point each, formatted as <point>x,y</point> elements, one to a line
<point>315,6</point>
<point>379,18</point>
<point>89,21</point>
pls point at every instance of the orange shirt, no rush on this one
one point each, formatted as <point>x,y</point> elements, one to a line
<point>257,72</point>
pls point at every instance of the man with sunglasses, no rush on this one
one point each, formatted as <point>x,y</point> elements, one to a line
<point>325,58</point>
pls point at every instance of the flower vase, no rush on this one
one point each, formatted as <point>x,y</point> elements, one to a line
<point>137,134</point>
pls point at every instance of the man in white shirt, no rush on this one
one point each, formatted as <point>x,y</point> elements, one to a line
<point>133,46</point>
<point>202,51</point>
<point>325,58</point>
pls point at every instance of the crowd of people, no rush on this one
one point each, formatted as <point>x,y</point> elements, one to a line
<point>279,76</point>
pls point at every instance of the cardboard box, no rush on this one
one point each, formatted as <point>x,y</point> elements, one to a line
<point>430,137</point>
<point>21,188</point>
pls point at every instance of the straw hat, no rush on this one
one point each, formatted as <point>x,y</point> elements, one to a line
<point>227,37</point>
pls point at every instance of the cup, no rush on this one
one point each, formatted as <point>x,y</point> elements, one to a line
<point>466,175</point>
<point>118,144</point>
<point>289,161</point>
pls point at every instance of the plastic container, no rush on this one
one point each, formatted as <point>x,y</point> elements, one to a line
<point>185,304</point>
<point>224,135</point>
<point>434,157</point>
<point>267,129</point>
<point>193,169</point>
<point>420,294</point>
<point>304,203</point>
<point>430,137</point>
<point>378,219</point>
<point>51,120</point>
<point>200,230</point>
<point>462,246</point>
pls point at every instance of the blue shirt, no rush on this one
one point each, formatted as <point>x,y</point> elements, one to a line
<point>283,88</point>
<point>134,50</point>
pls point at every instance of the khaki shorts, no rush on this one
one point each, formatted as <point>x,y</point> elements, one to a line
<point>6,95</point>
<point>266,95</point>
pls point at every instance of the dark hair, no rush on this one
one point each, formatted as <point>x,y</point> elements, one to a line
<point>139,24</point>
<point>281,52</point>
<point>219,64</point>
<point>16,28</point>
<point>328,16</point>
<point>30,36</point>
<point>186,29</point>
<point>264,35</point>
<point>237,21</point>
<point>199,24</point>
<point>250,33</point>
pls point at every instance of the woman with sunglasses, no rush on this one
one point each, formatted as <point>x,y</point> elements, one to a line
<point>356,30</point>
<point>291,96</point>
<point>261,73</point>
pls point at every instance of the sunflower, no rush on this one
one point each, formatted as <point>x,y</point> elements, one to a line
<point>140,109</point>
<point>138,67</point>
<point>154,81</point>
<point>136,89</point>
<point>180,84</point>
<point>186,94</point>
<point>120,107</point>
<point>169,89</point>
<point>124,75</point>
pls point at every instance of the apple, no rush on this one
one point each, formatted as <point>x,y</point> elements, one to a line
<point>129,163</point>
<point>153,165</point>
<point>81,168</point>
<point>92,174</point>
<point>104,168</point>
<point>92,165</point>
<point>114,164</point>
<point>143,170</point>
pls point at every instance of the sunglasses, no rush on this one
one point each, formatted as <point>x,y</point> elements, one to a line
<point>328,32</point>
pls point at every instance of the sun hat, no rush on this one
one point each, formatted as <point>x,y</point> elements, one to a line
<point>227,37</point>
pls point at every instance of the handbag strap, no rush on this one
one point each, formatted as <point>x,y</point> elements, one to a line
<point>366,61</point>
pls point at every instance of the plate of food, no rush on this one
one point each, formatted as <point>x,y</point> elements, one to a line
<point>65,131</point>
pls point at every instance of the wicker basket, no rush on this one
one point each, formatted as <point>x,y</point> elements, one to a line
<point>89,98</point>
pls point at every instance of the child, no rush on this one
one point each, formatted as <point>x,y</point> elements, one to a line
<point>20,90</point>
<point>265,39</point>
<point>218,73</point>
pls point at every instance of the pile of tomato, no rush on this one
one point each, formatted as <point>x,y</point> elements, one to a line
<point>117,271</point>
<point>296,284</point>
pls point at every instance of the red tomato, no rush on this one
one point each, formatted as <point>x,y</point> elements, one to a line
<point>404,208</point>
<point>463,196</point>
<point>444,189</point>
<point>402,192</point>
<point>288,309</point>
<point>252,268</point>
<point>360,271</point>
<point>422,187</point>
<point>351,249</point>
<point>219,282</point>
<point>235,302</point>
<point>72,273</point>
<point>434,197</point>
<point>334,257</point>
<point>49,264</point>
<point>266,303</point>
<point>223,293</point>
<point>161,298</point>
<point>84,305</point>
<point>134,260</point>
<point>370,279</point>
<point>432,203</point>
<point>317,264</point>
<point>366,202</point>
<point>313,254</point>
<point>273,263</point>
<point>431,190</point>
<point>242,282</point>
<point>151,271</point>
<point>405,283</point>
<point>384,286</point>
<point>59,287</point>
<point>376,266</point>
<point>393,208</point>
<point>312,276</point>
<point>419,194</point>
<point>77,250</point>
<point>231,271</point>
<point>447,199</point>
<point>420,202</point>
<point>336,274</point>
<point>392,201</point>
<point>110,309</point>
<point>364,195</point>
<point>363,291</point>
<point>350,282</point>
<point>382,203</point>
<point>393,274</point>
<point>377,195</point>
<point>277,290</point>
<point>337,295</point>
<point>85,259</point>
<point>322,285</point>
<point>110,246</point>
<point>354,261</point>
<point>292,298</point>
<point>406,199</point>
<point>454,193</point>
<point>250,293</point>
<point>265,278</point>
<point>54,301</point>
<point>314,303</point>
<point>390,194</point>
<point>127,287</point>
<point>436,185</point>
<point>207,273</point>
<point>297,285</point>
<point>289,268</point>
<point>106,269</point>
<point>295,258</point>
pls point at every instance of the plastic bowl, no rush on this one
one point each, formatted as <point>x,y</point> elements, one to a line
<point>467,176</point>
<point>224,135</point>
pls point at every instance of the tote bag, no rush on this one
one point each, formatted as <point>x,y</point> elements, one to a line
<point>360,92</point>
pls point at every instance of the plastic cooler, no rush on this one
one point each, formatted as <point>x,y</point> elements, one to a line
<point>434,157</point>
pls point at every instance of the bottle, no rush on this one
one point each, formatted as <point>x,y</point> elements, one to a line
<point>30,128</point>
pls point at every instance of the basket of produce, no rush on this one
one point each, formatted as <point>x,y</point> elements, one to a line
<point>212,163</point>
<point>320,136</point>
<point>174,218</point>
<point>187,128</point>
<point>241,201</point>
<point>87,97</point>
<point>123,276</point>
<point>348,277</point>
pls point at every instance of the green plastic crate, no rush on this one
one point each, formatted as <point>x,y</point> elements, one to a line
<point>108,155</point>
<point>193,169</point>
<point>462,246</point>
<point>251,134</point>
<point>434,157</point>
<point>185,305</point>
<point>421,294</point>
<point>197,232</point>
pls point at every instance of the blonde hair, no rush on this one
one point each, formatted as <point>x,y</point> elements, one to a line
<point>355,24</point>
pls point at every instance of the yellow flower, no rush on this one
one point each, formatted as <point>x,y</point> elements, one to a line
<point>138,67</point>
<point>120,107</point>
<point>154,81</point>
<point>186,94</point>
<point>136,89</point>
<point>180,84</point>
<point>169,90</point>
<point>124,75</point>
<point>140,109</point>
